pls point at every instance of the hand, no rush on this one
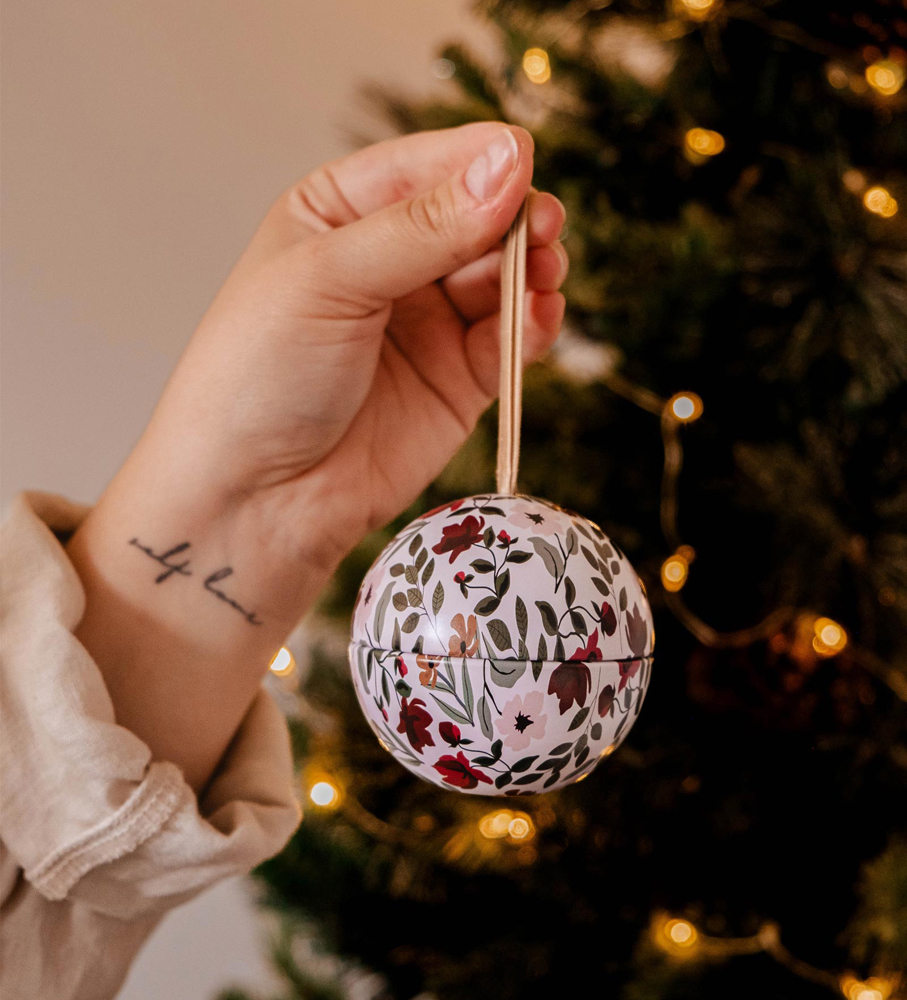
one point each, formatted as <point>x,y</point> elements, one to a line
<point>347,357</point>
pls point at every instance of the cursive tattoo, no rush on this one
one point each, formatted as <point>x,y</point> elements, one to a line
<point>222,574</point>
<point>182,569</point>
<point>163,557</point>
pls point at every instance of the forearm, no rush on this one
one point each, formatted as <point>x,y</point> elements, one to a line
<point>188,598</point>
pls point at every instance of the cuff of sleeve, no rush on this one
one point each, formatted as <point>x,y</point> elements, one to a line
<point>85,811</point>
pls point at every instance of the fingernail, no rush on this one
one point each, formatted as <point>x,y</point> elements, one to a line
<point>490,169</point>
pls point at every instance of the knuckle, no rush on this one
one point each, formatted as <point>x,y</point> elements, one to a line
<point>435,213</point>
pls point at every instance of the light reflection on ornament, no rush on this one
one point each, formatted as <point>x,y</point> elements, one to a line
<point>536,65</point>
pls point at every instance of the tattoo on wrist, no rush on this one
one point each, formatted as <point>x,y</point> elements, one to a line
<point>183,570</point>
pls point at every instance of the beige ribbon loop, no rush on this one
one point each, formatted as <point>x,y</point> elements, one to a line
<point>513,296</point>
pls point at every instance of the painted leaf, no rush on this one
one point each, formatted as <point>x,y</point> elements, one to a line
<point>482,565</point>
<point>420,559</point>
<point>411,622</point>
<point>467,690</point>
<point>414,545</point>
<point>484,713</point>
<point>578,622</point>
<point>518,556</point>
<point>487,606</point>
<point>569,591</point>
<point>453,713</point>
<point>501,780</point>
<point>414,597</point>
<point>571,541</point>
<point>590,559</point>
<point>551,557</point>
<point>381,610</point>
<point>578,719</point>
<point>524,764</point>
<point>437,599</point>
<point>622,601</point>
<point>502,583</point>
<point>403,689</point>
<point>397,569</point>
<point>427,572</point>
<point>549,618</point>
<point>505,673</point>
<point>410,574</point>
<point>522,617</point>
<point>395,642</point>
<point>500,634</point>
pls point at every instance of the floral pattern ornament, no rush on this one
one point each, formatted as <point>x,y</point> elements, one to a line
<point>532,641</point>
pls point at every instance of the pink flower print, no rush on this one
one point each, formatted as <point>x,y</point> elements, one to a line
<point>522,721</point>
<point>534,518</point>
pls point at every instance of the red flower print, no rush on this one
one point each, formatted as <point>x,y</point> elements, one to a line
<point>627,671</point>
<point>571,683</point>
<point>460,577</point>
<point>609,619</point>
<point>401,666</point>
<point>606,700</point>
<point>414,723</point>
<point>457,771</point>
<point>503,537</point>
<point>450,733</point>
<point>637,631</point>
<point>590,651</point>
<point>459,537</point>
<point>452,506</point>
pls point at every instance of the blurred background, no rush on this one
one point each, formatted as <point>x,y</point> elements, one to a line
<point>727,400</point>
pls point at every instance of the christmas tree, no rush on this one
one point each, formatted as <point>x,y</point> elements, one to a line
<point>728,402</point>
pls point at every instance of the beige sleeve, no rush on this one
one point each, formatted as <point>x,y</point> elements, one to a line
<point>97,840</point>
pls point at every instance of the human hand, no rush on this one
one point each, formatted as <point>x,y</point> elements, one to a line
<point>349,354</point>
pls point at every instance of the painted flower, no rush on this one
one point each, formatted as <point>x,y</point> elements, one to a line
<point>608,619</point>
<point>465,641</point>
<point>459,537</point>
<point>590,651</point>
<point>460,577</point>
<point>522,720</point>
<point>503,537</point>
<point>637,631</point>
<point>605,700</point>
<point>571,683</point>
<point>452,506</point>
<point>400,666</point>
<point>428,671</point>
<point>531,517</point>
<point>414,723</point>
<point>572,680</point>
<point>457,771</point>
<point>450,734</point>
<point>628,670</point>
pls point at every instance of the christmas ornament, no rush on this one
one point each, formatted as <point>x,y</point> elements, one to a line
<point>502,645</point>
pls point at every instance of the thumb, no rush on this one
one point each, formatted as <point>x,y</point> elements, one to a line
<point>412,242</point>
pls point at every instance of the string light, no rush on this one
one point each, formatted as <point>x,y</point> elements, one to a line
<point>685,407</point>
<point>879,201</point>
<point>675,935</point>
<point>536,65</point>
<point>701,143</point>
<point>674,572</point>
<point>283,663</point>
<point>521,827</point>
<point>500,823</point>
<point>829,638</point>
<point>324,794</point>
<point>885,76</point>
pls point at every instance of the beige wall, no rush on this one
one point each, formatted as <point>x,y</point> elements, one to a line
<point>141,142</point>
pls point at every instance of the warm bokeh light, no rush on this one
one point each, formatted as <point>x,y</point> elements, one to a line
<point>675,935</point>
<point>521,827</point>
<point>282,663</point>
<point>704,142</point>
<point>830,638</point>
<point>536,65</point>
<point>685,406</point>
<point>885,76</point>
<point>674,572</point>
<point>874,988</point>
<point>837,77</point>
<point>324,794</point>
<point>681,932</point>
<point>879,201</point>
<point>697,10</point>
<point>495,825</point>
<point>854,180</point>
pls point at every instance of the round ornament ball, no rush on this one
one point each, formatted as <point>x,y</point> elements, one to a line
<point>501,645</point>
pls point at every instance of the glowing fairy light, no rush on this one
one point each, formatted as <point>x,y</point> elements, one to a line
<point>703,142</point>
<point>674,572</point>
<point>536,65</point>
<point>324,794</point>
<point>697,10</point>
<point>282,663</point>
<point>854,180</point>
<point>829,639</point>
<point>885,76</point>
<point>676,935</point>
<point>521,827</point>
<point>879,201</point>
<point>874,988</point>
<point>685,407</point>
